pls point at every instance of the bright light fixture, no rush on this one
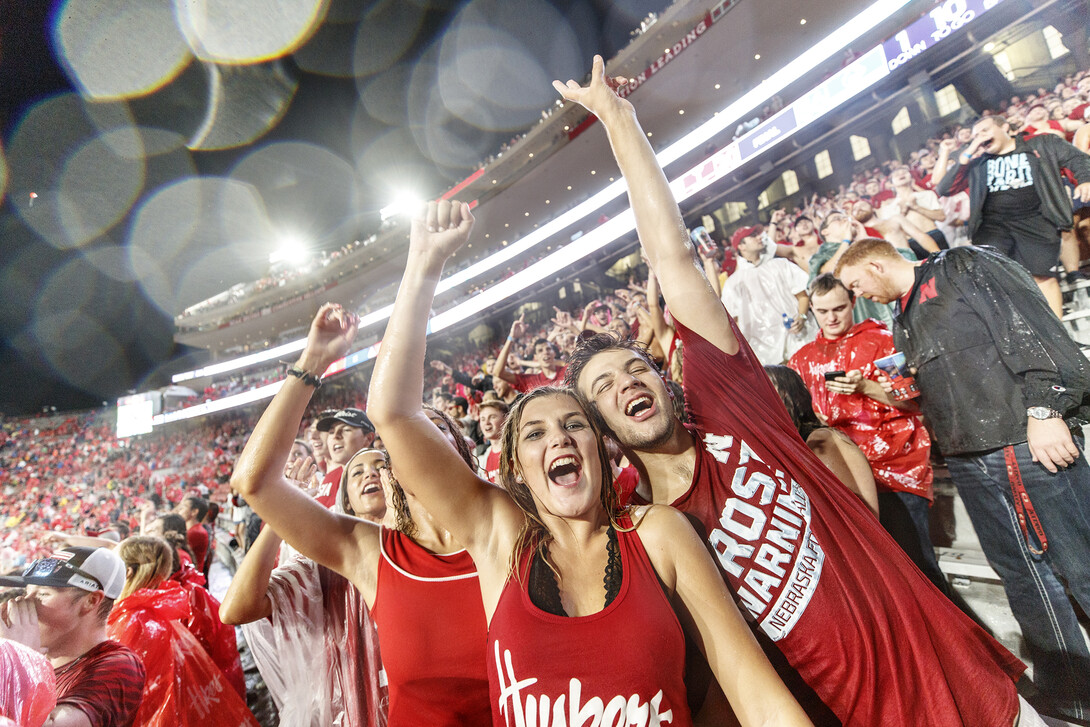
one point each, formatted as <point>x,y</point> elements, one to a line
<point>839,38</point>
<point>292,249</point>
<point>404,203</point>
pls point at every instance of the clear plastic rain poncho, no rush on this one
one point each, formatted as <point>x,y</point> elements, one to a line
<point>760,296</point>
<point>319,653</point>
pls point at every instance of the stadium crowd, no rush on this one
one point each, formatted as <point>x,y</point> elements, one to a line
<point>822,296</point>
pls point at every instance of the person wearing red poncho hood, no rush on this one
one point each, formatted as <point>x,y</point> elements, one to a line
<point>184,686</point>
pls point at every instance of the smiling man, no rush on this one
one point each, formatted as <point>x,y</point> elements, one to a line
<point>808,563</point>
<point>348,431</point>
<point>492,414</point>
<point>1018,203</point>
<point>998,375</point>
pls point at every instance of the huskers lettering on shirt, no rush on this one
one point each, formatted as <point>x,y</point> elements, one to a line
<point>624,665</point>
<point>1009,172</point>
<point>520,707</point>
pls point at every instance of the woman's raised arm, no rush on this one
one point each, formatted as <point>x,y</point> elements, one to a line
<point>426,464</point>
<point>336,541</point>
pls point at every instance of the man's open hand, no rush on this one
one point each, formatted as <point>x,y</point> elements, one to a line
<point>331,334</point>
<point>600,95</point>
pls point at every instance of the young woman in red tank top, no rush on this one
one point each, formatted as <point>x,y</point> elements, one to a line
<point>583,599</point>
<point>417,581</point>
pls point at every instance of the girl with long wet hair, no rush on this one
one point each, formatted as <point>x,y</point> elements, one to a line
<point>585,601</point>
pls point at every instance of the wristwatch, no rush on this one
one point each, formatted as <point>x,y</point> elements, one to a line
<point>1043,412</point>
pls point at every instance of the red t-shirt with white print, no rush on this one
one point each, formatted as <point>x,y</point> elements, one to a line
<point>815,570</point>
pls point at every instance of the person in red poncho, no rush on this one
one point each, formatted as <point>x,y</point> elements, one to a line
<point>888,431</point>
<point>184,687</point>
<point>203,622</point>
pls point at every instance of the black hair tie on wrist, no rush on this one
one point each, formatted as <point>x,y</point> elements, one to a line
<point>307,378</point>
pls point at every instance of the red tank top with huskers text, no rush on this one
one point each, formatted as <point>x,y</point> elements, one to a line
<point>624,665</point>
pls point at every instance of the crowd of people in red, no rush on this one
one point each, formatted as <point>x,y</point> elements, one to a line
<point>71,475</point>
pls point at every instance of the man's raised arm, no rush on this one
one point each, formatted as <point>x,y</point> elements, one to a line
<point>661,230</point>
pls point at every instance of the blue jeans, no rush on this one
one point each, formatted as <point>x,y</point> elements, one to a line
<point>906,518</point>
<point>1061,660</point>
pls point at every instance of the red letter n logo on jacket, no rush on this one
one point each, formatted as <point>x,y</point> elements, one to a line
<point>927,291</point>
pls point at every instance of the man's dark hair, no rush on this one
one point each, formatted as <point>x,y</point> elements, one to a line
<point>547,342</point>
<point>997,119</point>
<point>461,401</point>
<point>827,283</point>
<point>800,218</point>
<point>585,351</point>
<point>825,220</point>
<point>174,532</point>
<point>679,400</point>
<point>199,504</point>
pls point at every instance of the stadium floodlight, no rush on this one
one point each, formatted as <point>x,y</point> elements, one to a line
<point>847,33</point>
<point>292,249</point>
<point>405,203</point>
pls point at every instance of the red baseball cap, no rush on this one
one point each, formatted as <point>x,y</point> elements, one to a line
<point>743,232</point>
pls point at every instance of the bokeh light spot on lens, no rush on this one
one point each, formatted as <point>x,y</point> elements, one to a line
<point>329,52</point>
<point>3,174</point>
<point>68,327</point>
<point>111,260</point>
<point>97,188</point>
<point>246,101</point>
<point>498,59</point>
<point>80,350</point>
<point>388,162</point>
<point>305,187</point>
<point>118,48</point>
<point>448,142</point>
<point>385,34</point>
<point>181,223</point>
<point>383,96</point>
<point>22,275</point>
<point>247,31</point>
<point>73,156</point>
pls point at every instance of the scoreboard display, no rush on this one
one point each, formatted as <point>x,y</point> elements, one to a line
<point>939,22</point>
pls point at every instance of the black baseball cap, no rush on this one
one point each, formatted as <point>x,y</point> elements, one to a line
<point>90,569</point>
<point>351,417</point>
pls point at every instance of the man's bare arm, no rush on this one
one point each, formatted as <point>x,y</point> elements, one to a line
<point>661,230</point>
<point>65,715</point>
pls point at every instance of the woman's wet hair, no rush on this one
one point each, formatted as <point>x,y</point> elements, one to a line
<point>403,519</point>
<point>174,532</point>
<point>534,533</point>
<point>796,397</point>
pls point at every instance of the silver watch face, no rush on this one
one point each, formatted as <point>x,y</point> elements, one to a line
<point>1042,412</point>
